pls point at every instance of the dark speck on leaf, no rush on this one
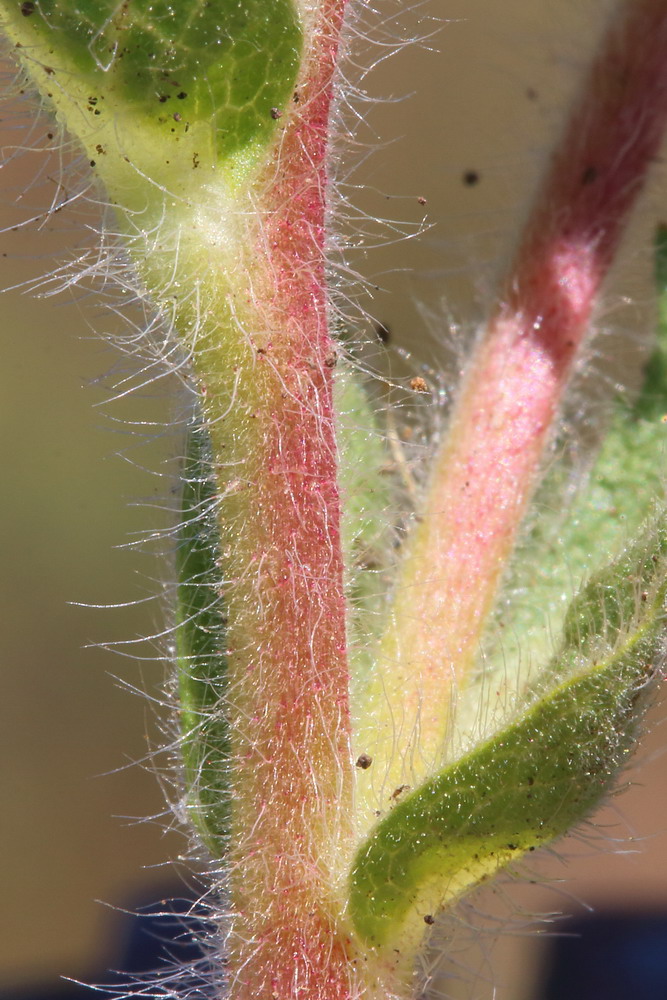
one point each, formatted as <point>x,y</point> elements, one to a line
<point>429,919</point>
<point>28,8</point>
<point>364,761</point>
<point>470,178</point>
<point>276,113</point>
<point>182,95</point>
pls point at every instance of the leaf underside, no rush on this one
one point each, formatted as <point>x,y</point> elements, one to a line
<point>536,778</point>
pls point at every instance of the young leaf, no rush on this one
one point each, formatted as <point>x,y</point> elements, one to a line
<point>535,779</point>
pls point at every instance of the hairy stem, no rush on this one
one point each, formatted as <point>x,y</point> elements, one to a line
<point>488,465</point>
<point>287,673</point>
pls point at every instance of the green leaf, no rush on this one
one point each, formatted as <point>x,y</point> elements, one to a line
<point>539,776</point>
<point>200,644</point>
<point>199,81</point>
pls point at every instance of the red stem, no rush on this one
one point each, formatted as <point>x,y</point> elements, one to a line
<point>292,772</point>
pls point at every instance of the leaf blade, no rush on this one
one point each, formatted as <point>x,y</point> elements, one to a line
<point>177,89</point>
<point>535,779</point>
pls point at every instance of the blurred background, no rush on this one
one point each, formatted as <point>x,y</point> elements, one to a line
<point>465,124</point>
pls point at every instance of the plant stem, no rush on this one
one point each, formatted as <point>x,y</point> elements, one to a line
<point>487,468</point>
<point>291,768</point>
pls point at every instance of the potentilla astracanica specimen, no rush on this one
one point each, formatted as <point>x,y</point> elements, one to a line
<point>345,762</point>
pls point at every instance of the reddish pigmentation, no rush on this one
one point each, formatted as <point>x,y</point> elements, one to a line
<point>293,767</point>
<point>510,397</point>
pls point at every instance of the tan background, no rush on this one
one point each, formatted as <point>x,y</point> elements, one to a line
<point>489,92</point>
